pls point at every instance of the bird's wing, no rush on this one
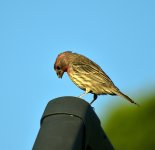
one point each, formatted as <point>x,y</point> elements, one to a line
<point>92,71</point>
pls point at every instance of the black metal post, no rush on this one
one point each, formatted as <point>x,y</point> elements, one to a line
<point>70,123</point>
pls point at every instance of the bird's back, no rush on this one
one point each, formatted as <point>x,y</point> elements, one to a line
<point>87,74</point>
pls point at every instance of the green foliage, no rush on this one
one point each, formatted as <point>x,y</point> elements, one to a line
<point>133,128</point>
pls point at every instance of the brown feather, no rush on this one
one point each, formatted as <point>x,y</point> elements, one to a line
<point>87,75</point>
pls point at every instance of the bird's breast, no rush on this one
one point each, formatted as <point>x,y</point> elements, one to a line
<point>84,82</point>
<point>80,81</point>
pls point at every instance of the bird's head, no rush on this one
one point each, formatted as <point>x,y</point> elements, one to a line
<point>62,63</point>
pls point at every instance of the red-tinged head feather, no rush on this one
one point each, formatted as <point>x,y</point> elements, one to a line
<point>62,63</point>
<point>62,60</point>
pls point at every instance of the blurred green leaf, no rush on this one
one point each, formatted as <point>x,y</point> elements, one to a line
<point>133,128</point>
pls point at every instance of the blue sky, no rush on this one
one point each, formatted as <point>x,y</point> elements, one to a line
<point>118,35</point>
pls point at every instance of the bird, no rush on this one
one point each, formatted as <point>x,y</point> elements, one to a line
<point>87,75</point>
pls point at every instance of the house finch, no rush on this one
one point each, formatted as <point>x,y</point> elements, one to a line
<point>87,75</point>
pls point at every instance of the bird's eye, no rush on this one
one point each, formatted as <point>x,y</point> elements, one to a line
<point>58,68</point>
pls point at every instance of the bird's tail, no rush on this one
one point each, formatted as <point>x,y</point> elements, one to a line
<point>119,93</point>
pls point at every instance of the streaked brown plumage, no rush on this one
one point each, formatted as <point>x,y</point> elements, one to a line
<point>87,75</point>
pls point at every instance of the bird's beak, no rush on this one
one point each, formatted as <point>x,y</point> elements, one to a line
<point>60,74</point>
